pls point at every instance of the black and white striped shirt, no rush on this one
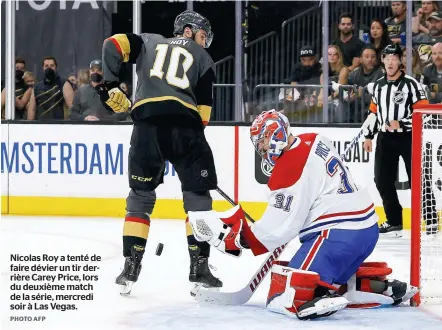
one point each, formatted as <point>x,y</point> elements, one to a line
<point>395,100</point>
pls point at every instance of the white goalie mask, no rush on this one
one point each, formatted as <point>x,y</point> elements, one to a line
<point>274,126</point>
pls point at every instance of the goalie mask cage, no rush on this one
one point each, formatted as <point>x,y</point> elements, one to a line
<point>426,205</point>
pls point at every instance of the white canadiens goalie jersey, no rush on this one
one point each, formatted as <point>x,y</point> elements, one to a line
<point>311,190</point>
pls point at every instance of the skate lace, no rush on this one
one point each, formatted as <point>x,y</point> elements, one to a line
<point>385,225</point>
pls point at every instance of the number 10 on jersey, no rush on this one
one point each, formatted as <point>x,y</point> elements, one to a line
<point>175,61</point>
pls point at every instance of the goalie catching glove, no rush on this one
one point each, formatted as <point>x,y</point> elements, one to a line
<point>113,97</point>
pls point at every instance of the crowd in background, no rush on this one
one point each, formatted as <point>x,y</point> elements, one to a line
<point>354,63</point>
<point>56,98</point>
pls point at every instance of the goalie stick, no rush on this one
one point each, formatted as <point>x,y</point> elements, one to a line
<point>242,296</point>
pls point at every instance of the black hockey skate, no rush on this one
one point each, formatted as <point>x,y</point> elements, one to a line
<point>199,269</point>
<point>321,306</point>
<point>400,291</point>
<point>390,231</point>
<point>131,271</point>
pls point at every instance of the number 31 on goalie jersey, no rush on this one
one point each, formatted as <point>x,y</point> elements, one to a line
<point>333,166</point>
<point>174,62</point>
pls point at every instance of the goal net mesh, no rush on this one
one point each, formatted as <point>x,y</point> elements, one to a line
<point>431,210</point>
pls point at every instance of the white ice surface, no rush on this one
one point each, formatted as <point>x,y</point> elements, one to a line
<point>161,299</point>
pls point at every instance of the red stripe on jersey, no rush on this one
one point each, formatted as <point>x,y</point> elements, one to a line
<point>136,219</point>
<point>117,45</point>
<point>289,167</point>
<point>326,216</point>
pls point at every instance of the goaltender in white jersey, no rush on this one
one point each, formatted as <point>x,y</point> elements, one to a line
<point>313,196</point>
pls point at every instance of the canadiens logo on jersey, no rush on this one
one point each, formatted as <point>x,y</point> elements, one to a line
<point>398,97</point>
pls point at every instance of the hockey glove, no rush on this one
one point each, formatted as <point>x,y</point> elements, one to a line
<point>113,97</point>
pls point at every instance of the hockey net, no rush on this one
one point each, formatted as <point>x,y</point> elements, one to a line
<point>426,205</point>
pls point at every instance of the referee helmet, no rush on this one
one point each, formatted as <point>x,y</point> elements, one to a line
<point>393,49</point>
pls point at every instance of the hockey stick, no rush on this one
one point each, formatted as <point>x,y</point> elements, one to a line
<point>227,198</point>
<point>354,141</point>
<point>242,296</point>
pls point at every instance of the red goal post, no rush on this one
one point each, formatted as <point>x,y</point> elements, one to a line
<point>426,204</point>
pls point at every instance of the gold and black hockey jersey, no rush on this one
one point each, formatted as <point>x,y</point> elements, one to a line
<point>175,75</point>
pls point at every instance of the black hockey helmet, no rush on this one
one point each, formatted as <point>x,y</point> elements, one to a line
<point>393,49</point>
<point>196,22</point>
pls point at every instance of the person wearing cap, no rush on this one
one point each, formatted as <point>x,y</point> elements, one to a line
<point>420,21</point>
<point>308,70</point>
<point>434,34</point>
<point>87,105</point>
<point>305,72</point>
<point>396,24</point>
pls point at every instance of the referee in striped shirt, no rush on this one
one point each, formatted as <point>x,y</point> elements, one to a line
<point>394,97</point>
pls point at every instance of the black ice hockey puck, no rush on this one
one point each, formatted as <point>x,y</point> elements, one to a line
<point>159,249</point>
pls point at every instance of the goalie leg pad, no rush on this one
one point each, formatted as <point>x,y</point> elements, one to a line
<point>370,288</point>
<point>292,292</point>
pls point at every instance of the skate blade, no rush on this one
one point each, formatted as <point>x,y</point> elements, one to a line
<point>198,286</point>
<point>411,291</point>
<point>126,288</point>
<point>392,234</point>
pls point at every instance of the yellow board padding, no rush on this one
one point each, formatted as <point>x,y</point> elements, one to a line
<point>115,207</point>
<point>99,207</point>
<point>5,205</point>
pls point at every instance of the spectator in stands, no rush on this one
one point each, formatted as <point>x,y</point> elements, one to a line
<point>308,71</point>
<point>420,23</point>
<point>433,75</point>
<point>87,105</point>
<point>51,94</point>
<point>396,23</point>
<point>337,72</point>
<point>379,38</point>
<point>83,78</point>
<point>23,92</point>
<point>434,30</point>
<point>305,72</point>
<point>73,81</point>
<point>349,44</point>
<point>424,41</point>
<point>29,78</point>
<point>368,72</point>
<point>417,67</point>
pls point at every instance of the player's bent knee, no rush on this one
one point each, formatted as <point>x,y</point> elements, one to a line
<point>293,292</point>
<point>141,201</point>
<point>197,201</point>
